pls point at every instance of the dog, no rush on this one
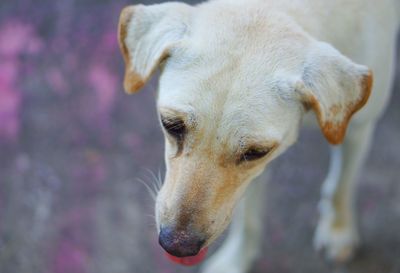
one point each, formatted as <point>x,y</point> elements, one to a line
<point>238,79</point>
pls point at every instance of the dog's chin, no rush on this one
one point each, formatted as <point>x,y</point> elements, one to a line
<point>189,260</point>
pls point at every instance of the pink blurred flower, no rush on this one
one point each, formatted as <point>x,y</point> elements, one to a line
<point>109,41</point>
<point>10,102</point>
<point>8,72</point>
<point>70,258</point>
<point>104,85</point>
<point>17,37</point>
<point>71,253</point>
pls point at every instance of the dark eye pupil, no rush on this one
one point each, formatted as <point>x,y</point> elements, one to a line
<point>253,154</point>
<point>175,127</point>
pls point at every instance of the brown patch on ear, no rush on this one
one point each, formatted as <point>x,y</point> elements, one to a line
<point>132,81</point>
<point>335,131</point>
<point>366,86</point>
<point>124,20</point>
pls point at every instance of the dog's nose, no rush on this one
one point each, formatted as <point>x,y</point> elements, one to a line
<point>180,243</point>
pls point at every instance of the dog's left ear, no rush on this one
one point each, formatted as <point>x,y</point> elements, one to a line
<point>334,87</point>
<point>146,36</point>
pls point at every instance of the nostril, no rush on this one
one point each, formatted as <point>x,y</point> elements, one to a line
<point>180,243</point>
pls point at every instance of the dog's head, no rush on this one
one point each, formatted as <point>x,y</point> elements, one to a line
<point>232,93</point>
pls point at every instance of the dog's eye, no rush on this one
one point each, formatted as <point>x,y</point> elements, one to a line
<point>253,154</point>
<point>174,127</point>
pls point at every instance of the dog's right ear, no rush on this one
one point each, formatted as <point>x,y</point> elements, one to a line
<point>146,34</point>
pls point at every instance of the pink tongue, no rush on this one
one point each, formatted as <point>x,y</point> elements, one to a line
<point>189,261</point>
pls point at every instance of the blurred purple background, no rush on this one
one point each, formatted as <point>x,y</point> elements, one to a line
<point>73,146</point>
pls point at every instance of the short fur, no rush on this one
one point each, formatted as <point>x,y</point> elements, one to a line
<point>243,74</point>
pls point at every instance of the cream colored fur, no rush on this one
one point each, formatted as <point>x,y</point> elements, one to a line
<point>243,74</point>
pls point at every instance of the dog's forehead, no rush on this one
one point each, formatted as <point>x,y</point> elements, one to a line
<point>213,85</point>
<point>231,76</point>
<point>224,100</point>
<point>261,32</point>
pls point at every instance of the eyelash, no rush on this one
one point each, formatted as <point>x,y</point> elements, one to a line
<point>253,154</point>
<point>175,127</point>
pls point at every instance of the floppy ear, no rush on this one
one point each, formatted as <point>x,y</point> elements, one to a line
<point>146,34</point>
<point>335,88</point>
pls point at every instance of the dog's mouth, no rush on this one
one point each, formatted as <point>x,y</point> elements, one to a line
<point>189,260</point>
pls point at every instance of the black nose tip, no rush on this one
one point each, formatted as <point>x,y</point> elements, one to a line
<point>180,243</point>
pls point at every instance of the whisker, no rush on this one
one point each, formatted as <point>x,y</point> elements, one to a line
<point>153,186</point>
<point>156,180</point>
<point>159,180</point>
<point>152,183</point>
<point>152,192</point>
